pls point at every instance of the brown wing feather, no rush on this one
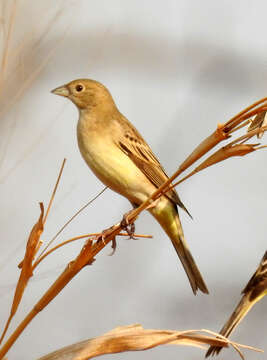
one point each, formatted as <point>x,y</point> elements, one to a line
<point>133,144</point>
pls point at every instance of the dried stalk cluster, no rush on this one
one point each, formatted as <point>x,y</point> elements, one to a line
<point>253,117</point>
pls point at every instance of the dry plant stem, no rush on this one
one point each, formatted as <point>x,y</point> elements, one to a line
<point>221,133</point>
<point>205,146</point>
<point>54,191</point>
<point>244,111</point>
<point>218,156</point>
<point>247,122</point>
<point>35,72</point>
<point>12,63</point>
<point>41,258</point>
<point>70,220</point>
<point>6,45</point>
<point>27,83</point>
<point>224,153</point>
<point>248,135</point>
<point>85,257</point>
<point>33,245</point>
<point>235,345</point>
<point>234,123</point>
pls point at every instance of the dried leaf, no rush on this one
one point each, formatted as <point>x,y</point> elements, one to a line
<point>206,145</point>
<point>32,247</point>
<point>133,338</point>
<point>225,153</point>
<point>33,244</point>
<point>222,154</point>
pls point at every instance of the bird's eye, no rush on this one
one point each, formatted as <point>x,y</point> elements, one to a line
<point>79,87</point>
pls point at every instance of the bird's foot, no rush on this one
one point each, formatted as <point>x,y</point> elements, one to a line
<point>130,228</point>
<point>102,237</point>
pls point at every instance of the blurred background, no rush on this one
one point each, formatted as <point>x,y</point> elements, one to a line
<point>175,69</point>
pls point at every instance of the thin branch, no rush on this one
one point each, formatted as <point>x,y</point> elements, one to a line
<point>54,191</point>
<point>87,236</point>
<point>70,220</point>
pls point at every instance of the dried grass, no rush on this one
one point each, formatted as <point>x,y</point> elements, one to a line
<point>136,338</point>
<point>21,58</point>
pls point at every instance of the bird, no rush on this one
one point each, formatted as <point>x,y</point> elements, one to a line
<point>120,157</point>
<point>254,291</point>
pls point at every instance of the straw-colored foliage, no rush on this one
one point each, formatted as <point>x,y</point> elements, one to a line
<point>136,338</point>
<point>23,56</point>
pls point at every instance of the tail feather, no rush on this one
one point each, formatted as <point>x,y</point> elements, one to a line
<point>188,262</point>
<point>241,310</point>
<point>167,215</point>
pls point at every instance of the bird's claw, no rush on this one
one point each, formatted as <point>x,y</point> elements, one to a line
<point>129,227</point>
<point>101,237</point>
<point>113,246</point>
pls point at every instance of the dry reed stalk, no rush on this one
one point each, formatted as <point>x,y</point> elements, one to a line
<point>17,51</point>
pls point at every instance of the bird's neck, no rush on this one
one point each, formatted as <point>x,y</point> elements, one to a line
<point>96,116</point>
<point>100,107</point>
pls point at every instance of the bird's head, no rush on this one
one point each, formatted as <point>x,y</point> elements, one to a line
<point>86,94</point>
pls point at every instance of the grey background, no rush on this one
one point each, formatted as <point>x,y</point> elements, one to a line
<point>175,69</point>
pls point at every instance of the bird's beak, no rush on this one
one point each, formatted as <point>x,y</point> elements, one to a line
<point>62,91</point>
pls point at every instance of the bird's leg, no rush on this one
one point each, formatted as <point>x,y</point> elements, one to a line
<point>130,228</point>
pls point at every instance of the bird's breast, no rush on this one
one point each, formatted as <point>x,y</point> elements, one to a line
<point>111,165</point>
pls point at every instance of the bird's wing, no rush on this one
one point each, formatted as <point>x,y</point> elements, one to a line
<point>258,282</point>
<point>133,144</point>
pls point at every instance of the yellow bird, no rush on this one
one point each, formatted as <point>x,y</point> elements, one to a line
<point>255,290</point>
<point>123,161</point>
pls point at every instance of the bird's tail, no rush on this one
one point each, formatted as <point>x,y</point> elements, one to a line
<point>189,264</point>
<point>169,220</point>
<point>240,311</point>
